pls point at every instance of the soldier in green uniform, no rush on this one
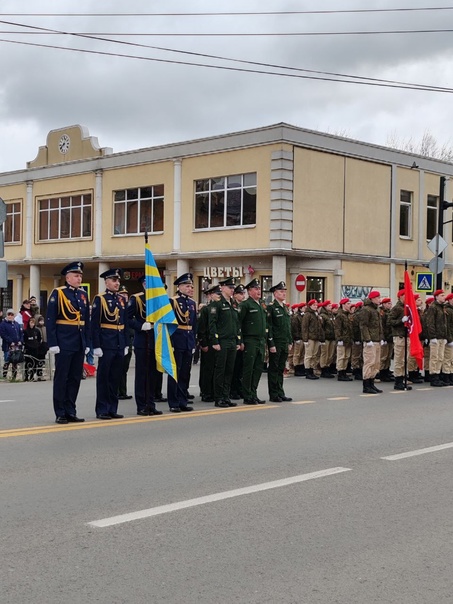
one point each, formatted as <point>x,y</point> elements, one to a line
<point>207,354</point>
<point>253,319</point>
<point>240,294</point>
<point>225,339</point>
<point>279,341</point>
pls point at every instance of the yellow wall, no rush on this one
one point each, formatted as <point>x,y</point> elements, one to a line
<point>367,211</point>
<point>374,275</point>
<point>318,200</point>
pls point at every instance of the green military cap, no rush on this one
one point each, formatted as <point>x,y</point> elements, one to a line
<point>253,283</point>
<point>281,285</point>
<point>230,282</point>
<point>239,289</point>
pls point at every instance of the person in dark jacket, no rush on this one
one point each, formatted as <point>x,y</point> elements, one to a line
<point>32,340</point>
<point>279,341</point>
<point>436,329</point>
<point>345,337</point>
<point>12,339</point>
<point>42,348</point>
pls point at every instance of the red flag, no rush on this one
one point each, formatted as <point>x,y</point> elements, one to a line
<point>413,325</point>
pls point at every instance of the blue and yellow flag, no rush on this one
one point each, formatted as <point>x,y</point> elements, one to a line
<point>160,312</point>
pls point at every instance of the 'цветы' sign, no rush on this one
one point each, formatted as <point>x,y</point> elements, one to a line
<point>223,271</point>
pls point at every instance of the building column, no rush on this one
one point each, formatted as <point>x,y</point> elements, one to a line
<point>177,192</point>
<point>278,269</point>
<point>29,220</point>
<point>103,266</point>
<point>56,281</point>
<point>337,283</point>
<point>98,214</point>
<point>182,266</point>
<point>35,280</point>
<point>19,291</point>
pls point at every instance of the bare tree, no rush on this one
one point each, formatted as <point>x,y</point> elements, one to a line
<point>426,146</point>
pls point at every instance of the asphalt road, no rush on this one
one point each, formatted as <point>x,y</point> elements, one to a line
<point>300,502</point>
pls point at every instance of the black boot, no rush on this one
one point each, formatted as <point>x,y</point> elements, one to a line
<point>333,369</point>
<point>367,389</point>
<point>414,378</point>
<point>386,377</point>
<point>325,373</point>
<point>376,390</point>
<point>435,380</point>
<point>357,373</point>
<point>299,371</point>
<point>427,377</point>
<point>399,384</point>
<point>343,376</point>
<point>310,375</point>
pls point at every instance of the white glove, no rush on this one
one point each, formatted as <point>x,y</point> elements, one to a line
<point>383,342</point>
<point>322,343</point>
<point>298,341</point>
<point>433,341</point>
<point>98,352</point>
<point>146,326</point>
<point>87,350</point>
<point>369,344</point>
<point>426,342</point>
<point>54,350</point>
<point>126,350</point>
<point>405,319</point>
<point>357,343</point>
<point>340,343</point>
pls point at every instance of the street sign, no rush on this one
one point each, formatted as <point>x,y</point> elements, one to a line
<point>436,265</point>
<point>300,283</point>
<point>2,211</point>
<point>425,282</point>
<point>437,244</point>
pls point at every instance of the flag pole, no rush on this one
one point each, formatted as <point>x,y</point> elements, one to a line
<point>405,336</point>
<point>147,376</point>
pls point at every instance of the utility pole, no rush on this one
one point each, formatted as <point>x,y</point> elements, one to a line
<point>443,205</point>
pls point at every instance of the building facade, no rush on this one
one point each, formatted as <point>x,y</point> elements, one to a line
<point>272,203</point>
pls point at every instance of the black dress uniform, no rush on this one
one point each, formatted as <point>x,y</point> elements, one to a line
<point>183,341</point>
<point>107,333</point>
<point>145,359</point>
<point>279,336</point>
<point>68,328</point>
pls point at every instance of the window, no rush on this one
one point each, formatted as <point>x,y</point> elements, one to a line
<point>66,217</point>
<point>225,201</point>
<point>406,214</point>
<point>431,216</point>
<point>13,223</point>
<point>315,288</point>
<point>138,210</point>
<point>266,284</point>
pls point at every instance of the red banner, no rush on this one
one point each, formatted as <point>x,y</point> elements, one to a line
<point>413,325</point>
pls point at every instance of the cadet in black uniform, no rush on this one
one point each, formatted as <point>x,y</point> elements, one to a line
<point>279,340</point>
<point>109,343</point>
<point>129,336</point>
<point>68,329</point>
<point>225,339</point>
<point>183,340</point>
<point>145,359</point>
<point>253,319</point>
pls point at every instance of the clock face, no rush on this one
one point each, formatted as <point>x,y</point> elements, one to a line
<point>63,143</point>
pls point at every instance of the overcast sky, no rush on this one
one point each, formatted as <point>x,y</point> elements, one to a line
<point>129,103</point>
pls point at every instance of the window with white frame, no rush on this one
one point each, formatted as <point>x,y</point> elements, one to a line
<point>432,204</point>
<point>65,217</point>
<point>406,213</point>
<point>13,224</point>
<point>225,201</point>
<point>138,210</point>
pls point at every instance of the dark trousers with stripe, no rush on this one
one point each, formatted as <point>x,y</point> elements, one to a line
<point>253,366</point>
<point>177,391</point>
<point>66,383</point>
<point>276,367</point>
<point>108,375</point>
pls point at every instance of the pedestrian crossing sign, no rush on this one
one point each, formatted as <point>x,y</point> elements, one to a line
<point>425,283</point>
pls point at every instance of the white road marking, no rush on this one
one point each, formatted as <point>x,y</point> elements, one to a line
<point>339,398</point>
<point>7,401</point>
<point>302,402</point>
<point>189,503</point>
<point>418,452</point>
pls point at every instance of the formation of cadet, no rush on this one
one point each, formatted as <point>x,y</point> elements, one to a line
<point>232,331</point>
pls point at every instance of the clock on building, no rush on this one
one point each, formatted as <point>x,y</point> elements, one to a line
<point>63,143</point>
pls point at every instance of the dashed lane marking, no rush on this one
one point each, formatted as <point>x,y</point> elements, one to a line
<point>302,402</point>
<point>418,452</point>
<point>339,398</point>
<point>126,421</point>
<point>189,503</point>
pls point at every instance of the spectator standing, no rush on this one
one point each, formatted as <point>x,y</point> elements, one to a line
<point>11,334</point>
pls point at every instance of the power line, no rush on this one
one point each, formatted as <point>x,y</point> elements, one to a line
<point>236,14</point>
<point>241,61</point>
<point>238,69</point>
<point>245,34</point>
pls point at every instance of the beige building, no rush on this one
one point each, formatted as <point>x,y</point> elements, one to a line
<point>272,203</point>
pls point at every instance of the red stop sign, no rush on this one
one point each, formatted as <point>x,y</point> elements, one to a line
<point>300,283</point>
